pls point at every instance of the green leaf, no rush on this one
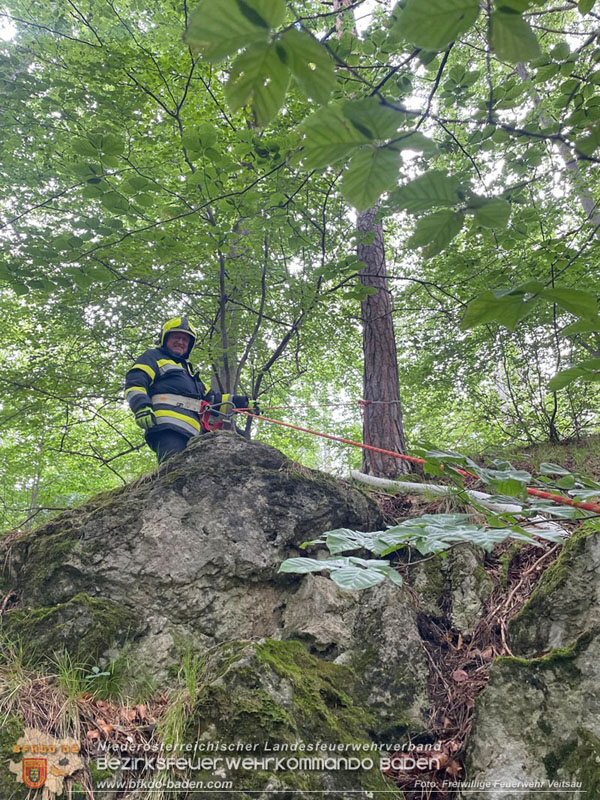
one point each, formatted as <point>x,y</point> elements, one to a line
<point>548,468</point>
<point>567,482</point>
<point>430,190</point>
<point>576,301</point>
<point>372,118</point>
<point>512,39</point>
<point>311,65</point>
<point>432,25</point>
<point>328,137</point>
<point>493,213</point>
<point>413,140</point>
<point>508,482</point>
<point>588,144</point>
<point>582,326</point>
<point>112,145</point>
<point>585,494</point>
<point>434,533</point>
<point>217,30</point>
<point>504,309</point>
<point>370,173</point>
<point>331,133</point>
<point>145,200</point>
<point>564,378</point>
<point>343,539</point>
<point>84,147</point>
<point>435,231</point>
<point>138,183</point>
<point>585,6</point>
<point>302,566</point>
<point>560,51</point>
<point>114,202</point>
<point>590,363</point>
<point>92,191</point>
<point>353,578</point>
<point>258,76</point>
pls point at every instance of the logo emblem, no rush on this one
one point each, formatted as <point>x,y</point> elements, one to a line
<point>34,772</point>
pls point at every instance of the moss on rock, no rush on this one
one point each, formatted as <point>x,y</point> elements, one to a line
<point>561,658</point>
<point>429,580</point>
<point>11,731</point>
<point>578,760</point>
<point>563,604</point>
<point>275,697</point>
<point>85,626</point>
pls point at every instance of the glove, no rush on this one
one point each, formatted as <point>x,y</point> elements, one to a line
<point>256,409</point>
<point>241,401</point>
<point>145,418</point>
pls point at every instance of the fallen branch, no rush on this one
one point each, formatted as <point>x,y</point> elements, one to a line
<point>431,488</point>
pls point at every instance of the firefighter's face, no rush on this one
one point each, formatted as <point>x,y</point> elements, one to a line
<point>178,342</point>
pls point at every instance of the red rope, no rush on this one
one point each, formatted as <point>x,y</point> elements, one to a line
<point>557,498</point>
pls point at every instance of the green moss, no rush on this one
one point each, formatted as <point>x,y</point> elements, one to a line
<point>430,582</point>
<point>46,555</point>
<point>84,626</point>
<point>555,760</point>
<point>578,759</point>
<point>545,727</point>
<point>561,657</point>
<point>584,762</point>
<point>321,691</point>
<point>524,627</point>
<point>11,731</point>
<point>98,774</point>
<point>483,583</point>
<point>276,693</point>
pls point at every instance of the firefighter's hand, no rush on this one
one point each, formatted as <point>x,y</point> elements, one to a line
<point>256,409</point>
<point>241,401</point>
<point>145,418</point>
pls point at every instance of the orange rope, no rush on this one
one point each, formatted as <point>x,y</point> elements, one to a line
<point>557,498</point>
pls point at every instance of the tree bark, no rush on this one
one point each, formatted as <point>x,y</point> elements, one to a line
<point>382,420</point>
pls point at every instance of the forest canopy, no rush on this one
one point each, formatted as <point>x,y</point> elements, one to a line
<point>211,160</point>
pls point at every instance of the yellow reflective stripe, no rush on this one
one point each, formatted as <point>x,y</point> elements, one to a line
<point>135,389</point>
<point>190,420</point>
<point>164,361</point>
<point>146,369</point>
<point>223,407</point>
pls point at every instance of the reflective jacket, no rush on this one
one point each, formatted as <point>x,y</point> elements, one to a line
<point>160,372</point>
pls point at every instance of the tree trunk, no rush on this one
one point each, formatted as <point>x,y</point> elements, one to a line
<point>382,421</point>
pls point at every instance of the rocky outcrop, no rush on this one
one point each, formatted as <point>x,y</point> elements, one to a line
<point>565,603</point>
<point>192,552</point>
<point>183,564</point>
<point>186,560</point>
<point>454,588</point>
<point>537,722</point>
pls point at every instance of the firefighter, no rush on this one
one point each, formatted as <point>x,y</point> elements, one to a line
<point>169,401</point>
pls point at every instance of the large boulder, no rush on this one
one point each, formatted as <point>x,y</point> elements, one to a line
<point>537,722</point>
<point>186,559</point>
<point>191,551</point>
